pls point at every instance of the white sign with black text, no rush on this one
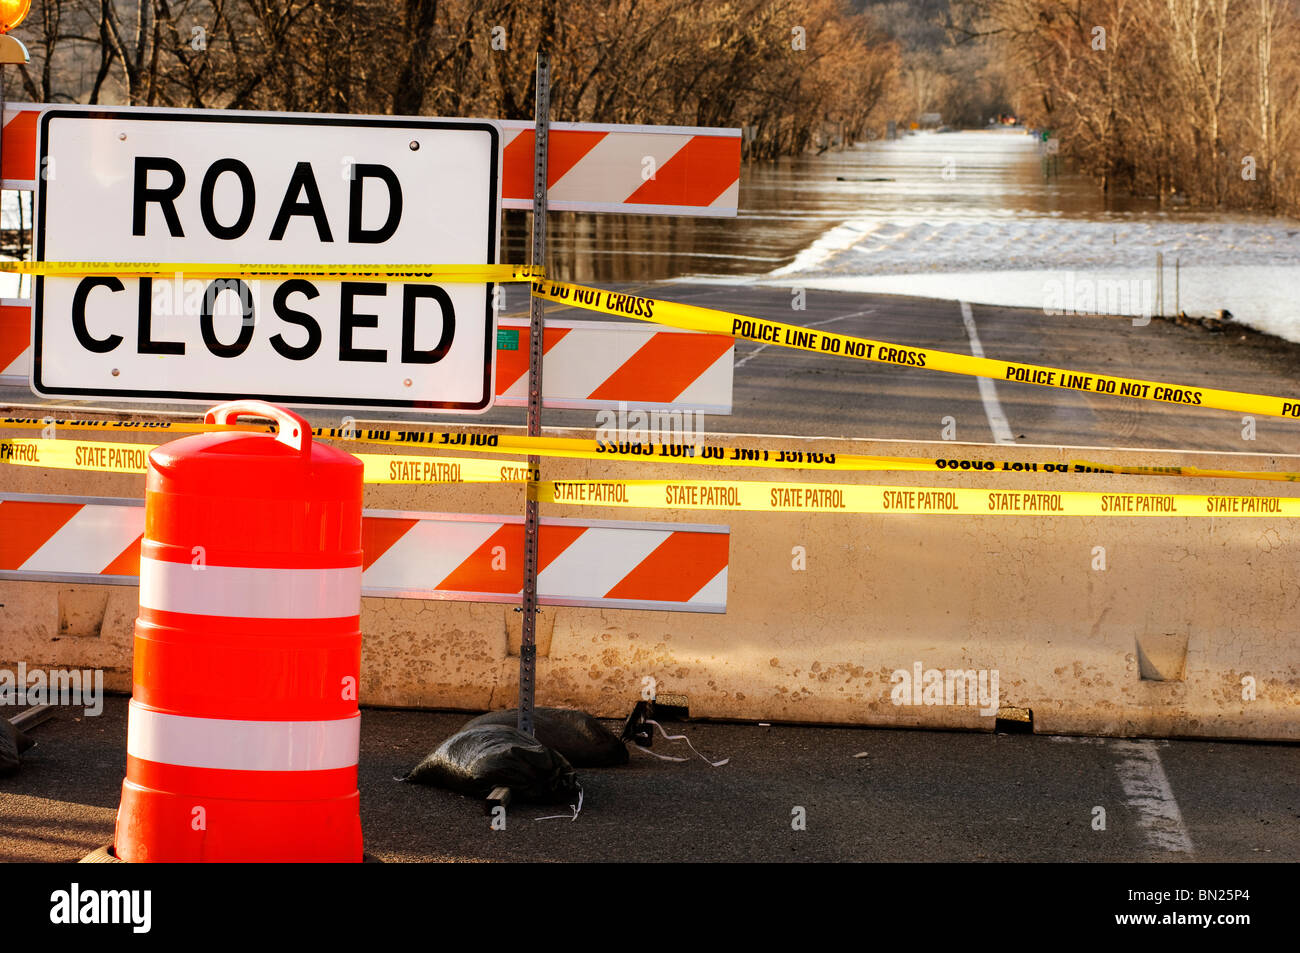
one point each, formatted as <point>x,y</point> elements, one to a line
<point>211,187</point>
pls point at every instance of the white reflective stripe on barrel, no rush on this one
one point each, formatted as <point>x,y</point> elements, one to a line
<point>250,593</point>
<point>242,745</point>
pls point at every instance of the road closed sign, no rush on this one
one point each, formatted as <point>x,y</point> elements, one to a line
<point>227,188</point>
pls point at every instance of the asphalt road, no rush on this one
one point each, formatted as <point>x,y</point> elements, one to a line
<point>783,391</point>
<point>915,796</point>
<point>910,796</point>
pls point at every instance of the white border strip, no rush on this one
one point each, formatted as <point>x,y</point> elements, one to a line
<point>505,598</point>
<point>249,593</point>
<point>576,403</point>
<point>626,208</point>
<point>230,745</point>
<point>572,324</point>
<point>722,132</point>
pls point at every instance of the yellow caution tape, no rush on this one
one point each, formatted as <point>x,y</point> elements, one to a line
<point>379,467</point>
<point>929,501</point>
<point>703,494</point>
<point>702,454</point>
<point>385,468</point>
<point>1084,466</point>
<point>450,274</point>
<point>77,455</point>
<point>707,454</point>
<point>694,318</point>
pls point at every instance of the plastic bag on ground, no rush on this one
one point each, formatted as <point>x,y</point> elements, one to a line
<point>584,742</point>
<point>12,743</point>
<point>477,759</point>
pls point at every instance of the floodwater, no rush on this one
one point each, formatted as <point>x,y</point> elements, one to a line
<point>962,215</point>
<point>966,215</point>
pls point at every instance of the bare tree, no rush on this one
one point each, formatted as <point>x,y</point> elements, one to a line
<point>786,68</point>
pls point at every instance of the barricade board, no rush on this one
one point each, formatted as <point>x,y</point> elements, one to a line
<point>463,557</point>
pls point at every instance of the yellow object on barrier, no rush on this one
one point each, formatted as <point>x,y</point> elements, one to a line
<point>930,501</point>
<point>694,318</point>
<point>167,269</point>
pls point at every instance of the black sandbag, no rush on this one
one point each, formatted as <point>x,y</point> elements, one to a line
<point>584,742</point>
<point>475,760</point>
<point>12,743</point>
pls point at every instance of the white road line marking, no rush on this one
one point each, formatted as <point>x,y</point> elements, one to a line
<point>816,324</point>
<point>1146,787</point>
<point>988,393</point>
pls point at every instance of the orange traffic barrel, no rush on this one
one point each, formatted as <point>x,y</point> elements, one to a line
<point>243,731</point>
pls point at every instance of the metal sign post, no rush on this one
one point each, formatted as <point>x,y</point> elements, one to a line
<point>536,313</point>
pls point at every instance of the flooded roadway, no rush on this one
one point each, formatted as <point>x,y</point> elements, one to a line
<point>961,216</point>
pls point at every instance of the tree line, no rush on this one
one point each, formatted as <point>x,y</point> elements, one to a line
<point>1186,100</point>
<point>794,74</point>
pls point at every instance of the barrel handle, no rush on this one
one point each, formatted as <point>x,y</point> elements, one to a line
<point>291,430</point>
